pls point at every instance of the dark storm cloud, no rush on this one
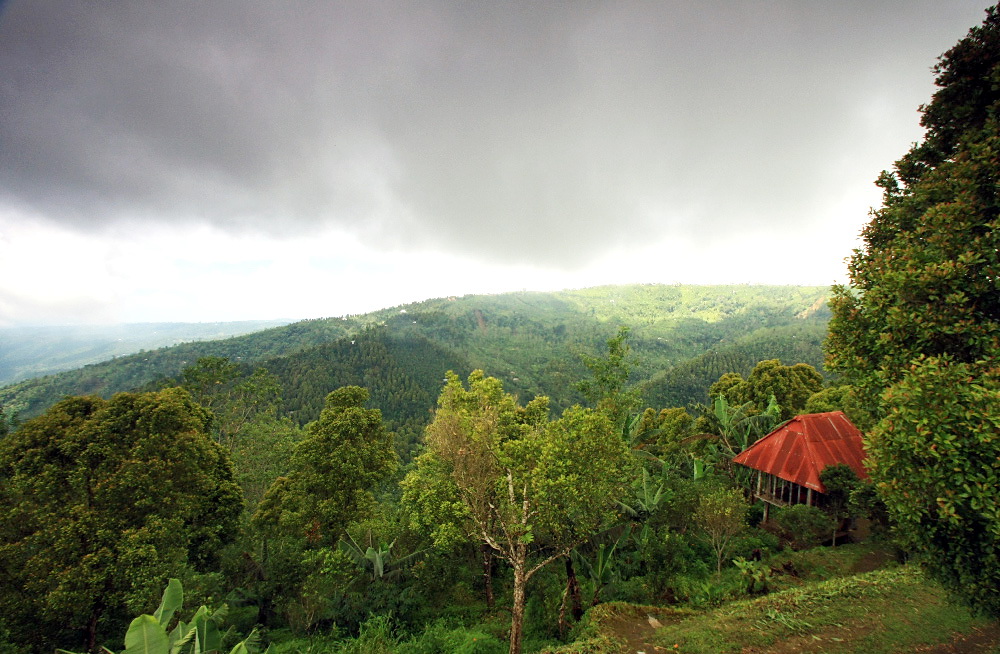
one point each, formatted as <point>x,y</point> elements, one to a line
<point>511,131</point>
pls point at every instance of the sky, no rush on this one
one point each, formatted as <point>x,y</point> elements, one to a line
<point>172,160</point>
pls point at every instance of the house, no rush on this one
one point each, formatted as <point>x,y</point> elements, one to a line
<point>789,460</point>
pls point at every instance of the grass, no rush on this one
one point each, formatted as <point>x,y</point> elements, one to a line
<point>881,612</point>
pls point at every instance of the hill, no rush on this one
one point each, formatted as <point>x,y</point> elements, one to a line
<point>27,352</point>
<point>683,337</point>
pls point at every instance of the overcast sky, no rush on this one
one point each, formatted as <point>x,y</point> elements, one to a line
<point>227,160</point>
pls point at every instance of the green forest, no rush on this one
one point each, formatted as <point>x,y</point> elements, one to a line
<point>546,472</point>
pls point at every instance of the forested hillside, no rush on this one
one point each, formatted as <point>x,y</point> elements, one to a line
<point>683,337</point>
<point>27,352</point>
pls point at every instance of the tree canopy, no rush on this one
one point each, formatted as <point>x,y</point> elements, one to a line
<point>918,331</point>
<point>102,500</point>
<point>529,488</point>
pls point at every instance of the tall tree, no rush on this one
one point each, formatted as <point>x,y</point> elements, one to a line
<point>530,489</point>
<point>346,453</point>
<point>922,317</point>
<point>102,500</point>
<point>607,389</point>
<point>332,474</point>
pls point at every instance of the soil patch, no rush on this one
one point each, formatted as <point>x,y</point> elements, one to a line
<point>637,630</point>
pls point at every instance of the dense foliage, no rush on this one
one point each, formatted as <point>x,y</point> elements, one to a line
<point>684,338</point>
<point>529,489</point>
<point>101,500</point>
<point>918,332</point>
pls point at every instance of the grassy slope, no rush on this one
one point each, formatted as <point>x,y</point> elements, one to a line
<point>886,611</point>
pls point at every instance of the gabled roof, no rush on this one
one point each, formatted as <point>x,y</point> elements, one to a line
<point>800,449</point>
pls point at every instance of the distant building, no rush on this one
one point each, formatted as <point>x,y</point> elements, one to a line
<point>789,460</point>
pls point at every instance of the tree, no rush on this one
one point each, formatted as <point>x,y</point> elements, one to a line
<point>236,400</point>
<point>721,516</point>
<point>922,316</point>
<point>102,500</point>
<point>530,489</point>
<point>840,480</point>
<point>332,474</point>
<point>790,386</point>
<point>346,453</point>
<point>606,389</point>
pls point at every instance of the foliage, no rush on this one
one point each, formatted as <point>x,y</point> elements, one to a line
<point>606,389</point>
<point>345,454</point>
<point>886,611</point>
<point>922,320</point>
<point>301,519</point>
<point>789,387</point>
<point>441,638</point>
<point>934,457</point>
<point>721,516</point>
<point>756,574</point>
<point>531,341</point>
<point>101,500</point>
<point>235,400</point>
<point>147,634</point>
<point>532,489</point>
<point>803,525</point>
<point>840,480</point>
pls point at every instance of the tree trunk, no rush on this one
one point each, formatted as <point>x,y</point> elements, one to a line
<point>570,596</point>
<point>573,586</point>
<point>95,615</point>
<point>517,608</point>
<point>487,553</point>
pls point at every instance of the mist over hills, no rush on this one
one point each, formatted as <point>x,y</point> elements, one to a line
<point>27,352</point>
<point>683,337</point>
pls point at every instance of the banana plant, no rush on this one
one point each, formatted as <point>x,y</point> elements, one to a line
<point>377,560</point>
<point>147,634</point>
<point>646,500</point>
<point>601,570</point>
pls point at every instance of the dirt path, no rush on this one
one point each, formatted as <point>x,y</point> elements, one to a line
<point>636,630</point>
<point>980,641</point>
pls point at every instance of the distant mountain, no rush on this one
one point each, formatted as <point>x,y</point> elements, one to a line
<point>683,338</point>
<point>27,352</point>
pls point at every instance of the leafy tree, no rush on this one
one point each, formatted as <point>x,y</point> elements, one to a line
<point>934,457</point>
<point>235,399</point>
<point>840,480</point>
<point>607,388</point>
<point>922,320</point>
<point>102,500</point>
<point>790,386</point>
<point>531,489</point>
<point>346,453</point>
<point>721,516</point>
<point>332,474</point>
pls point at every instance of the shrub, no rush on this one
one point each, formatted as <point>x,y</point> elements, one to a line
<point>441,638</point>
<point>803,526</point>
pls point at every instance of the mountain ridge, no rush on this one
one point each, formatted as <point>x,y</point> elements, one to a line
<point>530,340</point>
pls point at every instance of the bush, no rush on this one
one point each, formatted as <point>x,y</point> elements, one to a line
<point>755,540</point>
<point>803,526</point>
<point>441,638</point>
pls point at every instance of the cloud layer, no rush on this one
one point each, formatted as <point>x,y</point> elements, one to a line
<point>535,133</point>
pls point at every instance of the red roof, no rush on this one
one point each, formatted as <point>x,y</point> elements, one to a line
<point>800,449</point>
